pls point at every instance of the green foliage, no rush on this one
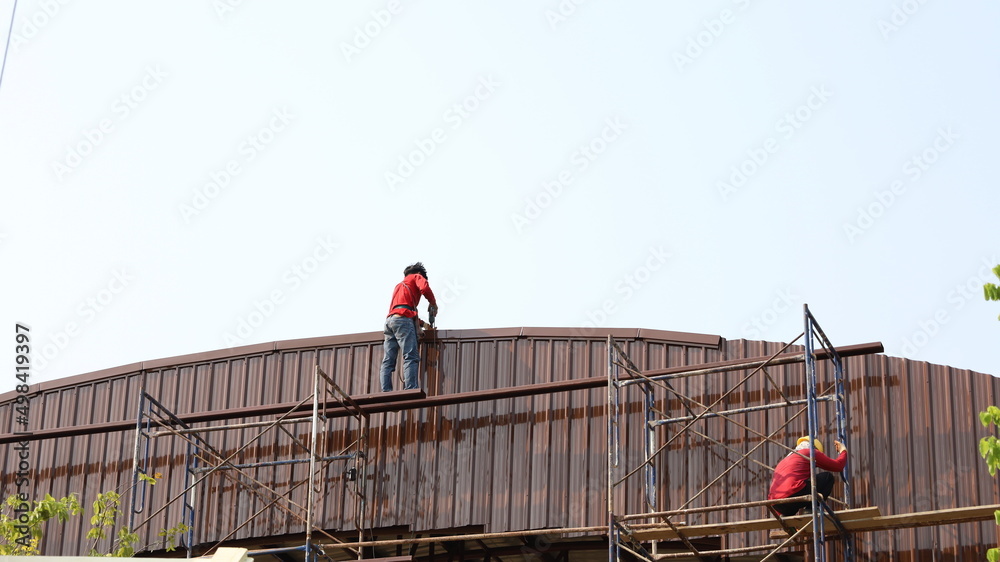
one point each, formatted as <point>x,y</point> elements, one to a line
<point>124,546</point>
<point>170,536</point>
<point>991,292</point>
<point>991,415</point>
<point>22,521</point>
<point>989,449</point>
<point>106,510</point>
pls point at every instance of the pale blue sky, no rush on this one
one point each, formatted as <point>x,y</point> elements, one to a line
<point>171,168</point>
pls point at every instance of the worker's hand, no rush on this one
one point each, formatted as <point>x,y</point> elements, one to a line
<point>433,310</point>
<point>839,447</point>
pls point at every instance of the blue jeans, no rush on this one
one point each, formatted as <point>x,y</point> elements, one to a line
<point>400,331</point>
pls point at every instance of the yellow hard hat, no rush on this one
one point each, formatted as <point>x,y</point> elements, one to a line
<point>816,443</point>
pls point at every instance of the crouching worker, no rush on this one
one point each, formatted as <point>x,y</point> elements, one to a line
<point>791,476</point>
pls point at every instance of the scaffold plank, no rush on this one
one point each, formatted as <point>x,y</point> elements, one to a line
<point>952,516</point>
<point>731,527</point>
<point>859,520</point>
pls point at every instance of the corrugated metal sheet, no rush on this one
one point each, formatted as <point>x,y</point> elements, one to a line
<point>520,463</point>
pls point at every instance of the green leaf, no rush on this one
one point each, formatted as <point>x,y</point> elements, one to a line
<point>993,555</point>
<point>95,533</point>
<point>39,513</point>
<point>996,515</point>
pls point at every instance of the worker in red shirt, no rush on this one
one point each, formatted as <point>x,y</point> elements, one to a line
<point>791,476</point>
<point>401,326</point>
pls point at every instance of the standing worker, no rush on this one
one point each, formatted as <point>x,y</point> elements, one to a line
<point>791,476</point>
<point>401,326</point>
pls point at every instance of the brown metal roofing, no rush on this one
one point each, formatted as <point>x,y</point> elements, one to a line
<point>684,338</point>
<point>516,463</point>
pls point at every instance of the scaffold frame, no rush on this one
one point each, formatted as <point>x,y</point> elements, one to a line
<point>202,460</point>
<point>623,373</point>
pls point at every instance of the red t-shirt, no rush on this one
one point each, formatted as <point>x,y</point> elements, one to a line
<point>408,292</point>
<point>792,472</point>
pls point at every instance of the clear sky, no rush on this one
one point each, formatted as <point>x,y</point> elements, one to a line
<point>181,176</point>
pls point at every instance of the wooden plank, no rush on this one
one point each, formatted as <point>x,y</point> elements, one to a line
<point>713,529</point>
<point>909,520</point>
<point>780,534</point>
<point>864,519</point>
<point>970,514</point>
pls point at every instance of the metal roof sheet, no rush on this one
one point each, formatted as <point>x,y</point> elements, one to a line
<point>516,463</point>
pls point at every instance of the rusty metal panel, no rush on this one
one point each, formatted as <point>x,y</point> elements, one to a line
<point>468,464</point>
<point>556,497</point>
<point>538,427</point>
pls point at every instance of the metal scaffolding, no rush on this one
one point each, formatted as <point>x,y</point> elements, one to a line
<point>204,460</point>
<point>635,533</point>
<point>646,518</point>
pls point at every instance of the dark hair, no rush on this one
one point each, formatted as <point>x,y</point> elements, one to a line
<point>415,268</point>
